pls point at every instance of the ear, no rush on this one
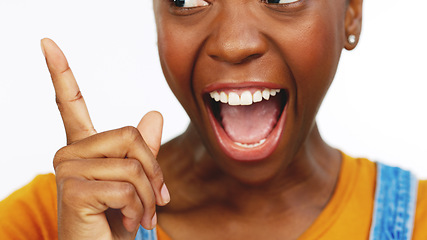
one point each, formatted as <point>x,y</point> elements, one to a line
<point>353,22</point>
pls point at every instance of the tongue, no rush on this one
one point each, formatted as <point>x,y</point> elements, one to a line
<point>250,124</point>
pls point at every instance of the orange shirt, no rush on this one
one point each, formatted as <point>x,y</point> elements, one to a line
<point>30,213</point>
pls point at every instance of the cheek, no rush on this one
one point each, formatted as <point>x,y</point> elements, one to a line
<point>318,49</point>
<point>177,58</point>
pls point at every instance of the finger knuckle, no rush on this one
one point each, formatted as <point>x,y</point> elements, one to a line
<point>126,190</point>
<point>61,169</point>
<point>70,190</point>
<point>60,156</point>
<point>61,102</point>
<point>134,167</point>
<point>130,134</point>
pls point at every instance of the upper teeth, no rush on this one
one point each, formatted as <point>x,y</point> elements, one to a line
<point>246,98</point>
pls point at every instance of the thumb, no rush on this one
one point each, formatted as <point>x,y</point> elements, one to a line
<point>150,127</point>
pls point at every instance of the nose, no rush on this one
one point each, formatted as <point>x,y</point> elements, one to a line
<point>236,38</point>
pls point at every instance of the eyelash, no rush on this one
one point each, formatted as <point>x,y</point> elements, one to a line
<point>286,2</point>
<point>181,3</point>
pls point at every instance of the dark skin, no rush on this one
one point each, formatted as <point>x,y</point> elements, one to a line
<point>297,46</point>
<point>278,207</point>
<point>285,194</point>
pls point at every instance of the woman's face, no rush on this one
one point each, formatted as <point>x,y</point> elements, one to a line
<point>240,52</point>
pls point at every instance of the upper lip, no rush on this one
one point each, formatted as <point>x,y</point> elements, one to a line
<point>235,85</point>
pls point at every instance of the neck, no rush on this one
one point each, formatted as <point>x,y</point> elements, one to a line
<point>307,180</point>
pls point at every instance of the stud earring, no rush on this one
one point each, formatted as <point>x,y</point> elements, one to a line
<point>352,39</point>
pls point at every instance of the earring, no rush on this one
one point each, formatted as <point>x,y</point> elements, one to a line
<point>352,39</point>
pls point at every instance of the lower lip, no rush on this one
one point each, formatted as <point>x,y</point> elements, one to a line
<point>243,154</point>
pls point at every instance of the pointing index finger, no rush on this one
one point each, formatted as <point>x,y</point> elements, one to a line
<point>69,99</point>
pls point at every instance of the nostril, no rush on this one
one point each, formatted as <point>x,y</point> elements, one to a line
<point>237,60</point>
<point>251,57</point>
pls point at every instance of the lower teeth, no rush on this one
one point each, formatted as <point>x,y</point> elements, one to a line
<point>251,145</point>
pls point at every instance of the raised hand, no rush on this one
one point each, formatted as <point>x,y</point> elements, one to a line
<point>108,183</point>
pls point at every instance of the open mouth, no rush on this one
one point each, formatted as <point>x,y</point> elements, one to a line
<point>247,122</point>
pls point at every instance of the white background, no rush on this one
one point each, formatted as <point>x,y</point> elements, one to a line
<point>375,108</point>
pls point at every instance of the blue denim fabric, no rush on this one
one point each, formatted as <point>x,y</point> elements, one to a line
<point>394,207</point>
<point>144,234</point>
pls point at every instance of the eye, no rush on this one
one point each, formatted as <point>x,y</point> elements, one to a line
<point>281,1</point>
<point>191,3</point>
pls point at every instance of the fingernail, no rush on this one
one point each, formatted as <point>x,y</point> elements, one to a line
<point>41,45</point>
<point>154,221</point>
<point>165,194</point>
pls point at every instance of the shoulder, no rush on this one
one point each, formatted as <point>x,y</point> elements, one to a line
<point>364,170</point>
<point>420,232</point>
<point>30,211</point>
<point>42,187</point>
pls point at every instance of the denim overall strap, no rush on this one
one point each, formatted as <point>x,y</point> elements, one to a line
<point>144,234</point>
<point>394,207</point>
